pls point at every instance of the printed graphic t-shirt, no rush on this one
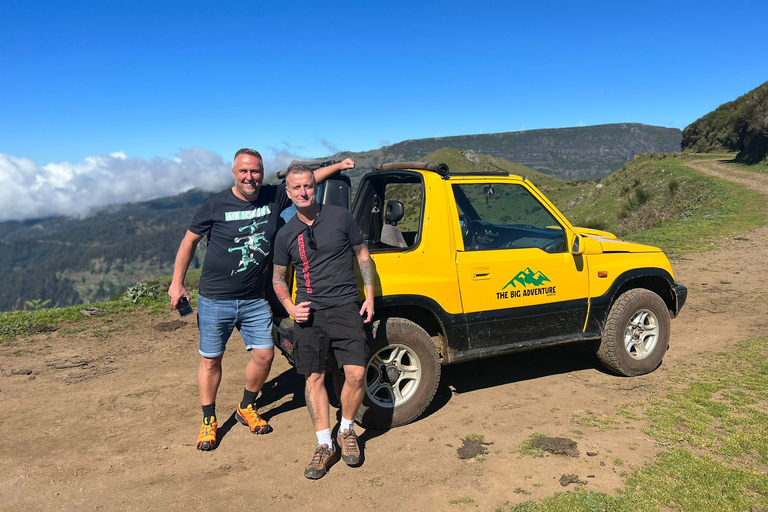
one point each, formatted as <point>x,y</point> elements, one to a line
<point>324,276</point>
<point>240,238</point>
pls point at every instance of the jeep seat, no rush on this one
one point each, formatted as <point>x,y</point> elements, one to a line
<point>390,233</point>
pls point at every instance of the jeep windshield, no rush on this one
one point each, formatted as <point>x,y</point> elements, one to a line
<point>505,216</point>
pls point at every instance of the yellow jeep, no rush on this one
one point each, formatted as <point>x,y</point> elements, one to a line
<point>476,265</point>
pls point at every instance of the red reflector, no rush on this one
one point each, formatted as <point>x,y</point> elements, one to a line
<point>602,273</point>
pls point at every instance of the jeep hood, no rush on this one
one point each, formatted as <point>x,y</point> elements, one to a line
<point>609,243</point>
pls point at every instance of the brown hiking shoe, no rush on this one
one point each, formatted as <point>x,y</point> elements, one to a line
<point>321,462</point>
<point>350,451</point>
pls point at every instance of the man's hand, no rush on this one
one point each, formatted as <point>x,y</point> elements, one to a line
<point>366,311</point>
<point>347,163</point>
<point>300,311</point>
<point>176,292</point>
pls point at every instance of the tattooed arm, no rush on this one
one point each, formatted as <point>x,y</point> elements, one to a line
<point>299,312</point>
<point>367,271</point>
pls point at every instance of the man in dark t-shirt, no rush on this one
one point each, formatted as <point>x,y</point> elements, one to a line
<point>240,225</point>
<point>320,241</point>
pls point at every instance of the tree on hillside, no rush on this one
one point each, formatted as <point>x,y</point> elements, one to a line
<point>740,125</point>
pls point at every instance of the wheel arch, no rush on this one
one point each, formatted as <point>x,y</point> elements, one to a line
<point>657,280</point>
<point>422,316</point>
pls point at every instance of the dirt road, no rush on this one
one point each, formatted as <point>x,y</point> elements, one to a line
<point>106,418</point>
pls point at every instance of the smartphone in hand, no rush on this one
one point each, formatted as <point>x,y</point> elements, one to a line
<point>183,307</point>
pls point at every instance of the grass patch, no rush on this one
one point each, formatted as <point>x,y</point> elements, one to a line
<point>656,199</point>
<point>593,420</point>
<point>528,448</point>
<point>718,429</point>
<point>462,501</point>
<point>17,323</point>
<point>721,412</point>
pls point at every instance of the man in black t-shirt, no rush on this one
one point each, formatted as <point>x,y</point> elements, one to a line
<point>320,241</point>
<point>240,225</point>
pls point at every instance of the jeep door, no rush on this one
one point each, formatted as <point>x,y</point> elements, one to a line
<point>520,285</point>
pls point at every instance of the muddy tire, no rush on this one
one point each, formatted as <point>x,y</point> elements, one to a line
<point>401,376</point>
<point>636,334</point>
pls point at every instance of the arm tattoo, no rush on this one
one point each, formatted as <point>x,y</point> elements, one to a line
<point>278,283</point>
<point>367,270</point>
<point>310,406</point>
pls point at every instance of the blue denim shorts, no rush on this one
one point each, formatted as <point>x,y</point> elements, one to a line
<point>217,318</point>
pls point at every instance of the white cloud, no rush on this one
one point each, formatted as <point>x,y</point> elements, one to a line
<point>29,190</point>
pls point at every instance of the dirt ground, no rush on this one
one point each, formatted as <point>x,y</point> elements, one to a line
<point>107,418</point>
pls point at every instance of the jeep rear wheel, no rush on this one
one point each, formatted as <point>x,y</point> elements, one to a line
<point>401,376</point>
<point>636,333</point>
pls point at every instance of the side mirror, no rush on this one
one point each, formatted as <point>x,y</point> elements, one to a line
<point>577,247</point>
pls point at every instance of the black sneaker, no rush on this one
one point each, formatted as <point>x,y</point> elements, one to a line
<point>321,462</point>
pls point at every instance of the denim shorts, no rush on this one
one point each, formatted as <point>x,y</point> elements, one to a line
<point>217,318</point>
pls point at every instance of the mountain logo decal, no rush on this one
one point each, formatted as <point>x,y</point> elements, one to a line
<point>528,277</point>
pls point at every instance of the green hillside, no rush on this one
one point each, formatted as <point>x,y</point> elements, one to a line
<point>656,199</point>
<point>740,126</point>
<point>76,261</point>
<point>560,192</point>
<point>582,152</point>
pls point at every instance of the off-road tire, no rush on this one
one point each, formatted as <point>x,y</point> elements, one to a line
<point>403,347</point>
<point>636,333</point>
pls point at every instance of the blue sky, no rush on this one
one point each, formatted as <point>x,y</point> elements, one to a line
<point>95,90</point>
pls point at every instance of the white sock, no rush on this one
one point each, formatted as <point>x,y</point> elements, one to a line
<point>324,438</point>
<point>346,424</point>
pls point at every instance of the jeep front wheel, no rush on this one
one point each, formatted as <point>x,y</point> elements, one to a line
<point>401,376</point>
<point>636,333</point>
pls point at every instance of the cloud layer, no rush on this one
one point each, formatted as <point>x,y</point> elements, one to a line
<point>29,190</point>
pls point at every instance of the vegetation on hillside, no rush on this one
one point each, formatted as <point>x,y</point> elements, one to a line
<point>656,199</point>
<point>581,152</point>
<point>740,126</point>
<point>77,261</point>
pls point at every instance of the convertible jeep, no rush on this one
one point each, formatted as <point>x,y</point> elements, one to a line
<point>476,265</point>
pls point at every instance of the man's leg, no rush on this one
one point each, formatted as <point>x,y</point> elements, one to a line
<point>256,373</point>
<point>255,325</point>
<point>351,397</point>
<point>208,380</point>
<point>215,321</point>
<point>317,404</point>
<point>317,401</point>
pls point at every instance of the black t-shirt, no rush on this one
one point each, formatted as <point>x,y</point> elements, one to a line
<point>325,276</point>
<point>240,238</point>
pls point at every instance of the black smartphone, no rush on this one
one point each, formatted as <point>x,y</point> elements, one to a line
<point>183,307</point>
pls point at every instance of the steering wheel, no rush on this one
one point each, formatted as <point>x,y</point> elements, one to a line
<point>466,229</point>
<point>553,245</point>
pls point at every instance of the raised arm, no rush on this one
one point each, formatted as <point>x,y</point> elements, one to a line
<point>299,312</point>
<point>323,173</point>
<point>367,271</point>
<point>183,258</point>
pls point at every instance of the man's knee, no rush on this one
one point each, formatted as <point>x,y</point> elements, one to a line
<point>263,357</point>
<point>315,379</point>
<point>354,375</point>
<point>210,364</point>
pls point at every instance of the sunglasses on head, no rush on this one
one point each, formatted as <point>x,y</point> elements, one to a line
<point>310,234</point>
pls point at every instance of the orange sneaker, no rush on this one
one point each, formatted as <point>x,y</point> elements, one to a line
<point>207,439</point>
<point>251,419</point>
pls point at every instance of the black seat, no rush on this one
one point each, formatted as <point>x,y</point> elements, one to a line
<point>390,233</point>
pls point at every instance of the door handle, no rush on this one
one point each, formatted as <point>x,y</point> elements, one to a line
<point>481,273</point>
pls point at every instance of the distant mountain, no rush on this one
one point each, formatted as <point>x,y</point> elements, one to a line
<point>740,125</point>
<point>75,261</point>
<point>585,152</point>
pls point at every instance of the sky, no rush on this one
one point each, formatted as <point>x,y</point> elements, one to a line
<point>103,103</point>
